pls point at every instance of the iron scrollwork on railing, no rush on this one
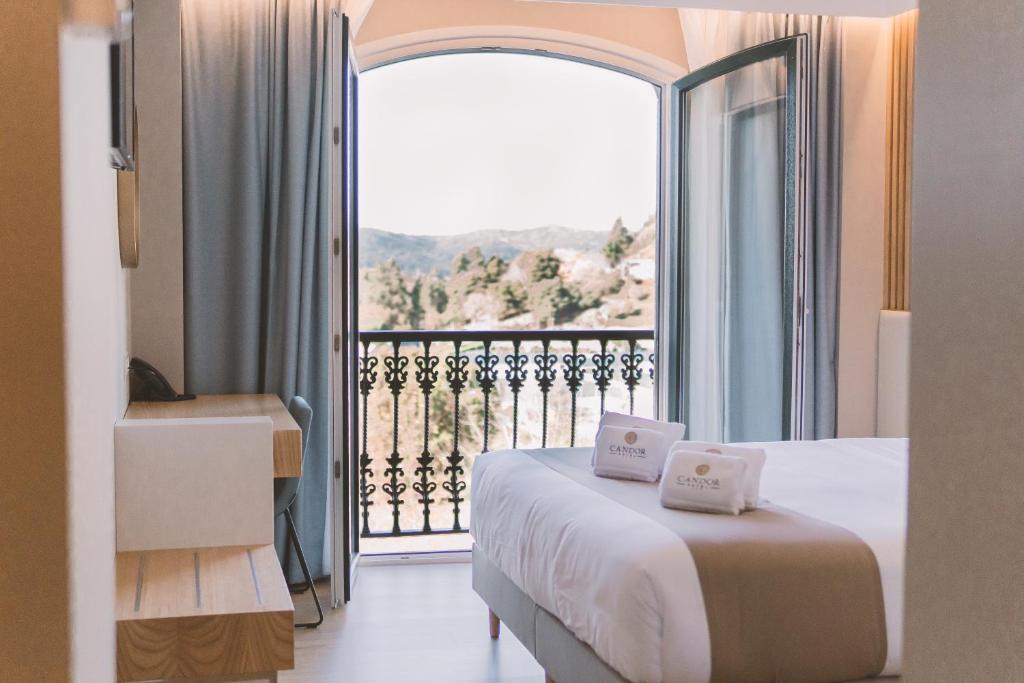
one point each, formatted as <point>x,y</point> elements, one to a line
<point>525,387</point>
<point>395,375</point>
<point>487,378</point>
<point>632,371</point>
<point>367,378</point>
<point>515,375</point>
<point>603,371</point>
<point>457,376</point>
<point>574,374</point>
<point>426,377</point>
<point>545,375</point>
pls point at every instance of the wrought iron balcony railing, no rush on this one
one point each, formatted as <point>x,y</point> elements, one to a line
<point>499,389</point>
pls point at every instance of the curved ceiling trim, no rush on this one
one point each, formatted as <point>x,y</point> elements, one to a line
<point>550,42</point>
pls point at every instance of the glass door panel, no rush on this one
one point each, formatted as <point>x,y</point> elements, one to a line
<point>739,220</point>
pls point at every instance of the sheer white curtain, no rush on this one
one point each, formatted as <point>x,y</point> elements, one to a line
<point>704,286</point>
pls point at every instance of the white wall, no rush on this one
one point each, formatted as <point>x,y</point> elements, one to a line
<point>157,285</point>
<point>965,545</point>
<point>95,348</point>
<point>866,59</point>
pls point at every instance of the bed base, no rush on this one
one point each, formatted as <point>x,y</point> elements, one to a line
<point>564,657</point>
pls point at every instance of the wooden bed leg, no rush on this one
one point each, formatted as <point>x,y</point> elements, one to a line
<point>495,624</point>
<point>548,678</point>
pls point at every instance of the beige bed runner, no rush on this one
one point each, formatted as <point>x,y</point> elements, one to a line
<point>788,597</point>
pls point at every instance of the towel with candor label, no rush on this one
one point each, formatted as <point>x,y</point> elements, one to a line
<point>628,453</point>
<point>703,482</point>
<point>754,458</point>
<point>669,432</point>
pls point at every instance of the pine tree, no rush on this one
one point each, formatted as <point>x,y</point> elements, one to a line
<point>545,267</point>
<point>414,312</point>
<point>513,299</point>
<point>619,241</point>
<point>389,292</point>
<point>438,296</point>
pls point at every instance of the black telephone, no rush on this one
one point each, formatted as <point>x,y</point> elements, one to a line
<point>145,383</point>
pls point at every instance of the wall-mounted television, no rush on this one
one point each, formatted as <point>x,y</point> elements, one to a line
<point>122,93</point>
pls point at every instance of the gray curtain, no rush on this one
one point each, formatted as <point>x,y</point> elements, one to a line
<point>825,76</point>
<point>256,220</point>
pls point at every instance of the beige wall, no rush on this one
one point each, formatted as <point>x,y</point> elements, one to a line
<point>62,347</point>
<point>965,545</point>
<point>866,58</point>
<point>157,285</point>
<point>33,503</point>
<point>651,30</point>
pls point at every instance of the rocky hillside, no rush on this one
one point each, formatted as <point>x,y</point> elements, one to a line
<point>419,254</point>
<point>541,278</point>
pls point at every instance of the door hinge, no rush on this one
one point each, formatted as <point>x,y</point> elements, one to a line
<point>337,135</point>
<point>337,342</point>
<point>337,469</point>
<point>337,246</point>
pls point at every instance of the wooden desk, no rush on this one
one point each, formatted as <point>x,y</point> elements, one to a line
<point>287,435</point>
<point>207,612</point>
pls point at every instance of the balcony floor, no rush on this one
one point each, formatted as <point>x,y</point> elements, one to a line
<point>413,622</point>
<point>402,545</point>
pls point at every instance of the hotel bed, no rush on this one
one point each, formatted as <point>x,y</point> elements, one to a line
<point>602,584</point>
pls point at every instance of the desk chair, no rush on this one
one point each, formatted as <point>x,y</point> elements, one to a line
<point>285,491</point>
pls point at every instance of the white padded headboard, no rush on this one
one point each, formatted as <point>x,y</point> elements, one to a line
<point>893,374</point>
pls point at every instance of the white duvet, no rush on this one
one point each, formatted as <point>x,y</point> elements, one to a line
<point>628,587</point>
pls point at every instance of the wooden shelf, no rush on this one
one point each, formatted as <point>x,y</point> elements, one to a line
<point>287,435</point>
<point>202,612</point>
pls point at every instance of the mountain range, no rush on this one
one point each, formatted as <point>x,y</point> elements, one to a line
<point>416,254</point>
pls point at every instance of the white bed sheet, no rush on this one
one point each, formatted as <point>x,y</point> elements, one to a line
<point>628,587</point>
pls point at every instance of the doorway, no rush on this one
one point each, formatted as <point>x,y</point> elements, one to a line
<point>508,248</point>
<point>429,384</point>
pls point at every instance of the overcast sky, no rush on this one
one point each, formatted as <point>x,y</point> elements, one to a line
<point>463,142</point>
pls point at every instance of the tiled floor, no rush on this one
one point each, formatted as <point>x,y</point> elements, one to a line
<point>408,623</point>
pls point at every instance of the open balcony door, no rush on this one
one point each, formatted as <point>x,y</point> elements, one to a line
<point>737,238</point>
<point>345,269</point>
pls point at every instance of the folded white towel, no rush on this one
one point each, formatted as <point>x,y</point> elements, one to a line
<point>754,457</point>
<point>669,432</point>
<point>628,453</point>
<point>704,482</point>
